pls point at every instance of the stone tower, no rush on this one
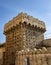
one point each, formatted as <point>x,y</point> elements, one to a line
<point>22,32</point>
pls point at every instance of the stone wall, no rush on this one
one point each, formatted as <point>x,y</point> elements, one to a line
<point>2,51</point>
<point>47,42</point>
<point>31,36</point>
<point>36,57</point>
<point>14,41</point>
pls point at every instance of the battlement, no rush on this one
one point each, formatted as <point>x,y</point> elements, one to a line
<point>23,17</point>
<point>43,50</point>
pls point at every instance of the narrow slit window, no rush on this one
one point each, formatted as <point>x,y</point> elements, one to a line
<point>27,61</point>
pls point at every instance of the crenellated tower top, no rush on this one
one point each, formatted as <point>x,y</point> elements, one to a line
<point>23,17</point>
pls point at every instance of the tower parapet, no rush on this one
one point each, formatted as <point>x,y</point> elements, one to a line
<point>23,17</point>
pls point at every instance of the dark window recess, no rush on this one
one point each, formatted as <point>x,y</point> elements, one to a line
<point>24,22</point>
<point>12,59</point>
<point>12,64</point>
<point>3,57</point>
<point>27,61</point>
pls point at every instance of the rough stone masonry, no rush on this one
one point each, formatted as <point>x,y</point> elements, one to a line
<point>24,46</point>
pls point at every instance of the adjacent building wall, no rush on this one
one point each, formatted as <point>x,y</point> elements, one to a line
<point>35,57</point>
<point>2,51</point>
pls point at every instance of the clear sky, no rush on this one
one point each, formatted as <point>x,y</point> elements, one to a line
<point>40,9</point>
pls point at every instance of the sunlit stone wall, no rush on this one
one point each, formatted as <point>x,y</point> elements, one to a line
<point>36,57</point>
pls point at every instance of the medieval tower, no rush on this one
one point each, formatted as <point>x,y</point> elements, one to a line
<point>23,32</point>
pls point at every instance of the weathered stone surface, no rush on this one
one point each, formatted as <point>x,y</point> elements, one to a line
<point>34,58</point>
<point>23,34</point>
<point>2,51</point>
<point>47,42</point>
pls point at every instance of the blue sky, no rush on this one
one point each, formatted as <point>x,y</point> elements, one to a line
<point>40,9</point>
